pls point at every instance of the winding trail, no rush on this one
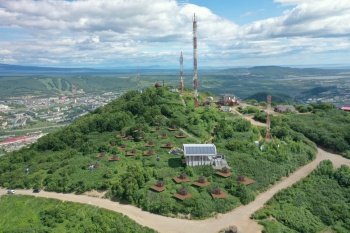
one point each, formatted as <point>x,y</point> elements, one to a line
<point>239,216</point>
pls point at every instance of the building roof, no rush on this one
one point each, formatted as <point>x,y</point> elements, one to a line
<point>345,108</point>
<point>199,149</point>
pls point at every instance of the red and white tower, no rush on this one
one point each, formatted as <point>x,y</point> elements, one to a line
<point>182,73</point>
<point>268,122</point>
<point>195,79</point>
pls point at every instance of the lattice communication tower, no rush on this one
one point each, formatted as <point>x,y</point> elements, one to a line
<point>268,121</point>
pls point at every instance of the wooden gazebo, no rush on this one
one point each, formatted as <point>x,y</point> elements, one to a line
<point>143,137</point>
<point>149,143</point>
<point>180,135</point>
<point>97,165</point>
<point>112,144</point>
<point>149,152</point>
<point>128,138</point>
<point>159,187</point>
<point>163,135</point>
<point>245,180</point>
<point>232,229</point>
<point>173,128</point>
<point>138,130</point>
<point>155,130</point>
<point>167,145</point>
<point>121,135</point>
<point>182,194</point>
<point>217,193</point>
<point>201,182</point>
<point>182,178</point>
<point>114,158</point>
<point>122,147</point>
<point>225,172</point>
<point>100,155</point>
<point>131,153</point>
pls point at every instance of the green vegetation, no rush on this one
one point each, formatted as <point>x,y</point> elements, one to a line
<point>60,161</point>
<point>276,97</point>
<point>319,202</point>
<point>326,127</point>
<point>31,214</point>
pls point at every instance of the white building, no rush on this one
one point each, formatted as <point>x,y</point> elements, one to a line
<point>202,154</point>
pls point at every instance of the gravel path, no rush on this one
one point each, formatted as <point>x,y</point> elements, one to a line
<point>239,216</point>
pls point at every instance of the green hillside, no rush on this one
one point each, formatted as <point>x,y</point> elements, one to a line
<point>276,97</point>
<point>60,161</point>
<point>318,203</point>
<point>33,214</point>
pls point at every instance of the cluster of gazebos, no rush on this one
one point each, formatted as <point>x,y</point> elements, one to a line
<point>133,152</point>
<point>182,193</point>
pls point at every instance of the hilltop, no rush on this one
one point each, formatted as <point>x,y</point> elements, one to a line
<point>61,161</point>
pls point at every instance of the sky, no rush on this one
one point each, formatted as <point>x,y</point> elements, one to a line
<point>152,33</point>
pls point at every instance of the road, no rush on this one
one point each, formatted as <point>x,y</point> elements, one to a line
<point>239,216</point>
<point>38,128</point>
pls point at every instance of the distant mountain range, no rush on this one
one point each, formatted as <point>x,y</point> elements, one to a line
<point>285,71</point>
<point>256,70</point>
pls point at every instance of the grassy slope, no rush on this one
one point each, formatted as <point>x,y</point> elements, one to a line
<point>30,214</point>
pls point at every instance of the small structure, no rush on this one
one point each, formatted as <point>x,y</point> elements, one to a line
<point>112,144</point>
<point>149,152</point>
<point>131,153</point>
<point>285,108</point>
<point>150,143</point>
<point>244,180</point>
<point>226,108</point>
<point>138,130</point>
<point>228,100</point>
<point>159,187</point>
<point>173,128</point>
<point>26,170</point>
<point>155,130</point>
<point>128,138</point>
<point>114,158</point>
<point>100,155</point>
<point>182,194</point>
<point>345,108</point>
<point>201,182</point>
<point>181,179</point>
<point>121,135</point>
<point>167,145</point>
<point>232,229</point>
<point>97,165</point>
<point>122,147</point>
<point>143,137</point>
<point>180,135</point>
<point>157,85</point>
<point>225,172</point>
<point>164,135</point>
<point>217,193</point>
<point>203,154</point>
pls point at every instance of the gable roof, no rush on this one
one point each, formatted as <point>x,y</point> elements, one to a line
<point>199,149</point>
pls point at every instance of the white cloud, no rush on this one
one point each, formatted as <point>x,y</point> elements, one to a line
<point>153,32</point>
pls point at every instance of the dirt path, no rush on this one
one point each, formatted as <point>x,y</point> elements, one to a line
<point>239,216</point>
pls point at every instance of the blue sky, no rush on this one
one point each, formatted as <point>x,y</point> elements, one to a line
<point>142,33</point>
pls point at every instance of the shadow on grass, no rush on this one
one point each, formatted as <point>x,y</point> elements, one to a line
<point>174,162</point>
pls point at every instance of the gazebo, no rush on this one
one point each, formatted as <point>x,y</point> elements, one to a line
<point>149,143</point>
<point>128,138</point>
<point>180,135</point>
<point>244,180</point>
<point>101,155</point>
<point>131,153</point>
<point>122,147</point>
<point>201,182</point>
<point>159,187</point>
<point>149,152</point>
<point>182,194</point>
<point>182,178</point>
<point>155,130</point>
<point>225,172</point>
<point>167,145</point>
<point>173,128</point>
<point>114,158</point>
<point>121,135</point>
<point>163,135</point>
<point>217,193</point>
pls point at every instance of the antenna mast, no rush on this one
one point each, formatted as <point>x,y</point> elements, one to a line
<point>268,122</point>
<point>195,80</point>
<point>182,73</point>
